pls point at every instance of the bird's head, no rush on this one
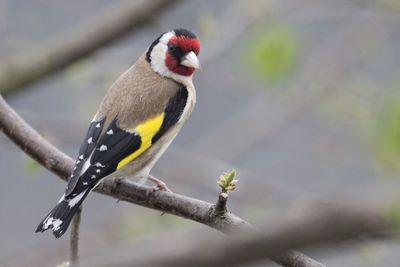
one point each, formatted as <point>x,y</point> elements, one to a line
<point>174,54</point>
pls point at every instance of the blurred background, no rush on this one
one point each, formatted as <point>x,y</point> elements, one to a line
<point>300,97</point>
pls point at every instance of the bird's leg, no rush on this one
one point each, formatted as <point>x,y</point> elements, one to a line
<point>159,185</point>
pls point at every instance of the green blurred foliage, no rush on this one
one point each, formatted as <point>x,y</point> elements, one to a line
<point>353,101</point>
<point>64,264</point>
<point>82,76</point>
<point>79,73</point>
<point>273,53</point>
<point>134,226</point>
<point>393,212</point>
<point>386,131</point>
<point>376,118</point>
<point>373,253</point>
<point>390,5</point>
<point>206,24</point>
<point>378,121</point>
<point>32,166</point>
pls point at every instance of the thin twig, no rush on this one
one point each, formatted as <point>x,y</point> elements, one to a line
<point>107,26</point>
<point>220,206</point>
<point>227,183</point>
<point>74,239</point>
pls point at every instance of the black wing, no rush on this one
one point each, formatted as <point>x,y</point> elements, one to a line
<point>116,144</point>
<point>87,146</point>
<point>173,112</point>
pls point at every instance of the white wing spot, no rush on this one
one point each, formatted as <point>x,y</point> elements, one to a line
<point>90,140</point>
<point>110,132</point>
<point>81,157</point>
<point>78,161</point>
<point>93,176</point>
<point>98,170</point>
<point>103,148</point>
<point>85,183</point>
<point>98,125</point>
<point>98,164</point>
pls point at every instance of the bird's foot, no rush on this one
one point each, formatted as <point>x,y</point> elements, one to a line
<point>159,185</point>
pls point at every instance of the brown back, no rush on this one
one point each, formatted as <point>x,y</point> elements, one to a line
<point>137,95</point>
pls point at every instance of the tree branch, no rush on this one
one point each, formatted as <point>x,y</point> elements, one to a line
<point>114,22</point>
<point>329,225</point>
<point>200,211</point>
<point>74,239</point>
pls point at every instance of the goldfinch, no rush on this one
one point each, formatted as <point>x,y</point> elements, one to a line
<point>140,115</point>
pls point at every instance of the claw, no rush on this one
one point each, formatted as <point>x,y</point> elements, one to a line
<point>159,185</point>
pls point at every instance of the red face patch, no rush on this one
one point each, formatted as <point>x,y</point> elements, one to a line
<point>186,44</point>
<point>178,47</point>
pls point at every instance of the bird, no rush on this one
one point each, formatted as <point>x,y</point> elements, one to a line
<point>138,118</point>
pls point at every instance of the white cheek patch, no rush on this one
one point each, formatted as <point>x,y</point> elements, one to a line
<point>157,56</point>
<point>166,37</point>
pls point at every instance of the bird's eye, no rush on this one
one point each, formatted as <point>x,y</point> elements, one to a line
<point>172,47</point>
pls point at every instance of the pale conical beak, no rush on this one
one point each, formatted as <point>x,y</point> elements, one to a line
<point>190,60</point>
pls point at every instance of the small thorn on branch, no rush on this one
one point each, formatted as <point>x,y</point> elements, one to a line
<point>227,183</point>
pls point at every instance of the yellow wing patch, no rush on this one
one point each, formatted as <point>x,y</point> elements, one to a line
<point>146,130</point>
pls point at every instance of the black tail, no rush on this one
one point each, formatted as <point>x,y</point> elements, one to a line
<point>61,215</point>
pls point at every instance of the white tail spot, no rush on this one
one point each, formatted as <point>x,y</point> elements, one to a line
<point>73,201</point>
